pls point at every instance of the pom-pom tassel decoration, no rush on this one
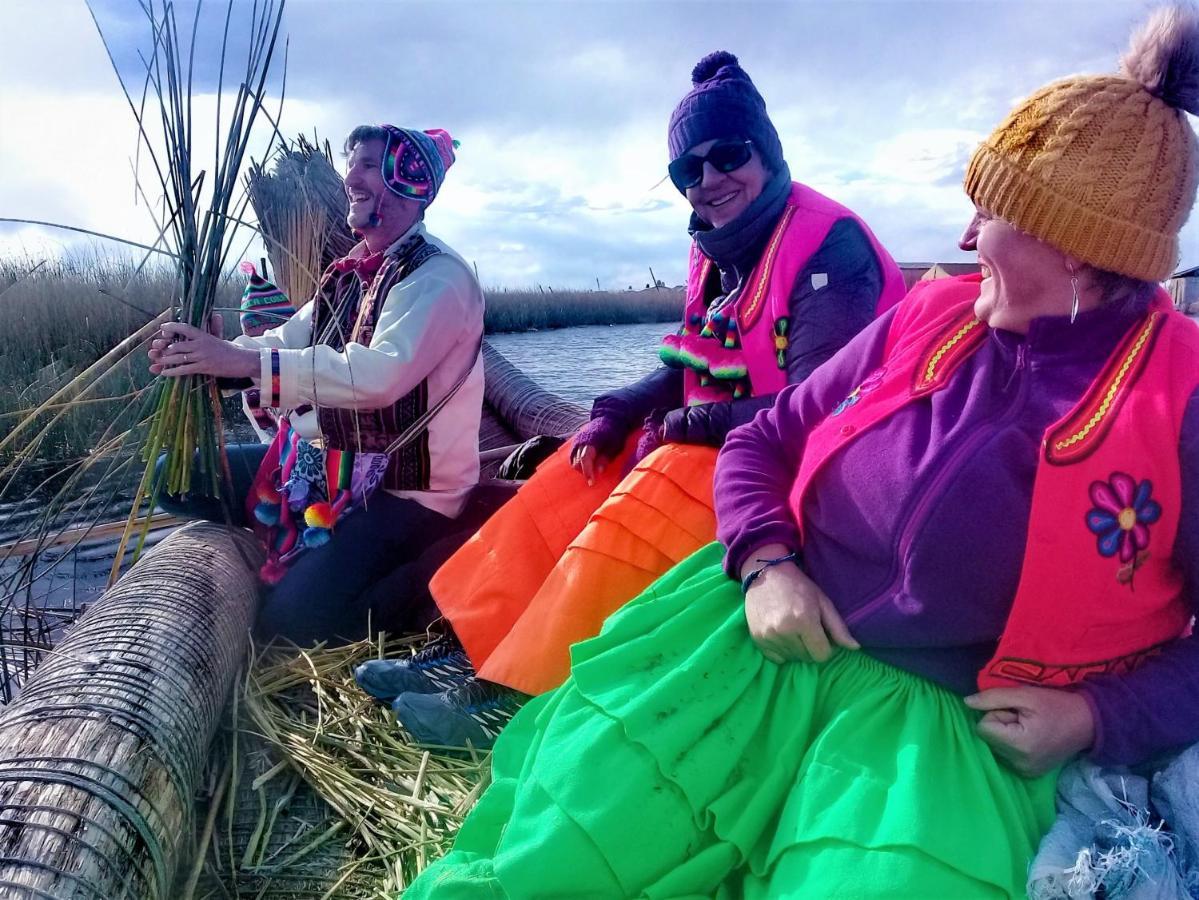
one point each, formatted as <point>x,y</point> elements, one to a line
<point>267,509</point>
<point>730,336</point>
<point>780,341</point>
<point>267,513</point>
<point>319,518</point>
<point>272,572</point>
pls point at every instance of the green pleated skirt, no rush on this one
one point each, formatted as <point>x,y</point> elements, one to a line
<point>678,762</point>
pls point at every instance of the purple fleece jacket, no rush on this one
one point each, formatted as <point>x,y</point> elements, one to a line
<point>916,531</point>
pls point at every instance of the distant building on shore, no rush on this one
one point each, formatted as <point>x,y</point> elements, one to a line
<point>1184,288</point>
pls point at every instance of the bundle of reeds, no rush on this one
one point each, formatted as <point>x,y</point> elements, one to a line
<point>203,210</point>
<point>300,202</point>
<point>197,208</point>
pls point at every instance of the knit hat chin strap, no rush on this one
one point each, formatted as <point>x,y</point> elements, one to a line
<point>415,162</point>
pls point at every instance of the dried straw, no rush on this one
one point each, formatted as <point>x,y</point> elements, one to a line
<point>401,803</point>
<point>301,206</point>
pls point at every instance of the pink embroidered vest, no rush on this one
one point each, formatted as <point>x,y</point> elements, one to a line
<point>1098,590</point>
<point>757,324</point>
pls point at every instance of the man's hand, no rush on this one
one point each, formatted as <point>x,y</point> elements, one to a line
<point>181,349</point>
<point>789,617</point>
<point>1034,729</point>
<point>588,461</point>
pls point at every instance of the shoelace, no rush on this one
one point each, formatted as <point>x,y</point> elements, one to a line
<point>490,705</point>
<point>436,653</point>
<point>485,700</point>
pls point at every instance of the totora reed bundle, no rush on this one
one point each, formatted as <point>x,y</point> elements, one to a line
<point>300,202</point>
<point>202,210</point>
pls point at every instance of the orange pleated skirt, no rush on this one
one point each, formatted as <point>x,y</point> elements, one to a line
<point>561,556</point>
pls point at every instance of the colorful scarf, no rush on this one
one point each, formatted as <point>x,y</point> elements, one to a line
<point>301,491</point>
<point>709,342</point>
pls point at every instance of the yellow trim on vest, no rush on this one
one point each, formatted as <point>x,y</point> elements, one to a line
<point>747,316</point>
<point>1117,383</point>
<point>930,371</point>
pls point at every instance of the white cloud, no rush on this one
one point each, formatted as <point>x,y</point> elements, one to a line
<point>562,112</point>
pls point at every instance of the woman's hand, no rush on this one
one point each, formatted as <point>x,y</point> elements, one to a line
<point>181,349</point>
<point>588,461</point>
<point>1034,729</point>
<point>789,617</point>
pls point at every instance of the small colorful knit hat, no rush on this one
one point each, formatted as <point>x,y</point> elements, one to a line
<point>1104,167</point>
<point>723,103</point>
<point>262,303</point>
<point>415,162</point>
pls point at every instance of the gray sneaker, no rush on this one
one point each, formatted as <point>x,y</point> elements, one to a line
<point>475,712</point>
<point>439,666</point>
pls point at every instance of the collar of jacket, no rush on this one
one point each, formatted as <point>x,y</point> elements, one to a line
<point>736,247</point>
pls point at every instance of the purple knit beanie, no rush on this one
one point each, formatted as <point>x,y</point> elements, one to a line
<point>723,103</point>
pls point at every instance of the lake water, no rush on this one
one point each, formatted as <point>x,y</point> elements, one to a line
<point>578,363</point>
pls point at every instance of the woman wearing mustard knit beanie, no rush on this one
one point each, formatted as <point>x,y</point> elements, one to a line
<point>962,553</point>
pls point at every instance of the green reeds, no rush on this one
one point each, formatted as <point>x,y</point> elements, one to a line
<point>202,210</point>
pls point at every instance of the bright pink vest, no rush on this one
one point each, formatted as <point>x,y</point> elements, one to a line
<point>761,314</point>
<point>1098,590</point>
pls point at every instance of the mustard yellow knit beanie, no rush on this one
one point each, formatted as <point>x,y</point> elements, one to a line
<point>1104,167</point>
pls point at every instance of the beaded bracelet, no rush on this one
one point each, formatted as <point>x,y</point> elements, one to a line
<point>749,579</point>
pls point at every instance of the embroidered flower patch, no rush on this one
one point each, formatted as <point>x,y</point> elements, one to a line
<point>1120,520</point>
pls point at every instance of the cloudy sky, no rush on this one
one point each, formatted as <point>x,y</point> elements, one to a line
<point>561,107</point>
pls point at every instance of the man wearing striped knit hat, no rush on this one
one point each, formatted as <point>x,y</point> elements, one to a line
<point>384,380</point>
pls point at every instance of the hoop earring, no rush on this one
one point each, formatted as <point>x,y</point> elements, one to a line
<point>1074,302</point>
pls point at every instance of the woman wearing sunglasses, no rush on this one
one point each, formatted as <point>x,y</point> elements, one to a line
<point>780,279</point>
<point>961,553</point>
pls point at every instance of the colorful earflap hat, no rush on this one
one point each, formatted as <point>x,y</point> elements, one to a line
<point>415,162</point>
<point>263,305</point>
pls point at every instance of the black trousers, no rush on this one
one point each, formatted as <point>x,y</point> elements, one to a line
<point>372,575</point>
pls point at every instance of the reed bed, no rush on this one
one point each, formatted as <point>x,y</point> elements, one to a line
<point>541,309</point>
<point>397,804</point>
<point>59,317</point>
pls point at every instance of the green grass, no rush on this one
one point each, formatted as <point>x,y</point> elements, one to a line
<point>56,318</point>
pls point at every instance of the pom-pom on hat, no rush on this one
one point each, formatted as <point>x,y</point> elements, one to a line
<point>723,103</point>
<point>262,303</point>
<point>415,162</point>
<point>1104,167</point>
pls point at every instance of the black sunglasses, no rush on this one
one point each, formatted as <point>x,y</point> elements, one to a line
<point>725,156</point>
